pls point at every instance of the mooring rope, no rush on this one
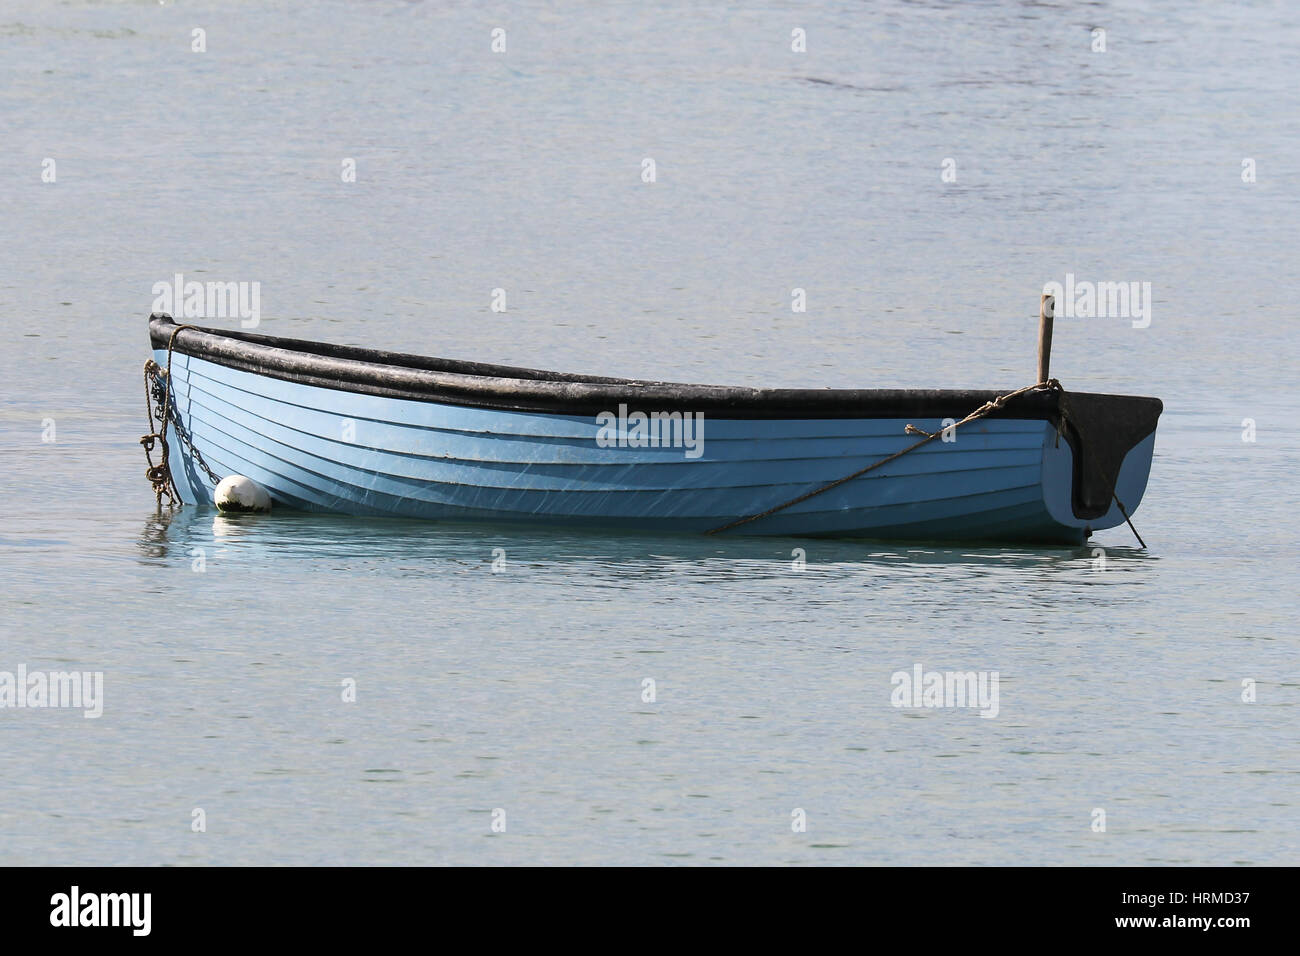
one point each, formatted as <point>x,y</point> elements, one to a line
<point>1124,512</point>
<point>1050,384</point>
<point>157,389</point>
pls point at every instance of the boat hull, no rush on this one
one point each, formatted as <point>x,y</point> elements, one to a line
<point>320,448</point>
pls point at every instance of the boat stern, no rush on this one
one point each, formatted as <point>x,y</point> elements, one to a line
<point>1096,465</point>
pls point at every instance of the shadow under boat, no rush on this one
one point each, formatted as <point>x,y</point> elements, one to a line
<point>424,547</point>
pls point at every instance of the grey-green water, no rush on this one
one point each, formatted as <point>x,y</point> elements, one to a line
<point>521,689</point>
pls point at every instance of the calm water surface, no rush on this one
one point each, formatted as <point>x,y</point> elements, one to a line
<point>521,689</point>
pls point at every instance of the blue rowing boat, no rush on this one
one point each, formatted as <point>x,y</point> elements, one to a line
<point>341,429</point>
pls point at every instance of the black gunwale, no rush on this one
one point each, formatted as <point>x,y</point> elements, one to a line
<point>454,382</point>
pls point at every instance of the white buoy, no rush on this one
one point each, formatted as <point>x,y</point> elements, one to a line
<point>237,494</point>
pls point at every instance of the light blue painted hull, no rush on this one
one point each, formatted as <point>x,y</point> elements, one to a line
<point>325,449</point>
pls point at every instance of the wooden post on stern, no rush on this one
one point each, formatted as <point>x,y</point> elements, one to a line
<point>1046,311</point>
